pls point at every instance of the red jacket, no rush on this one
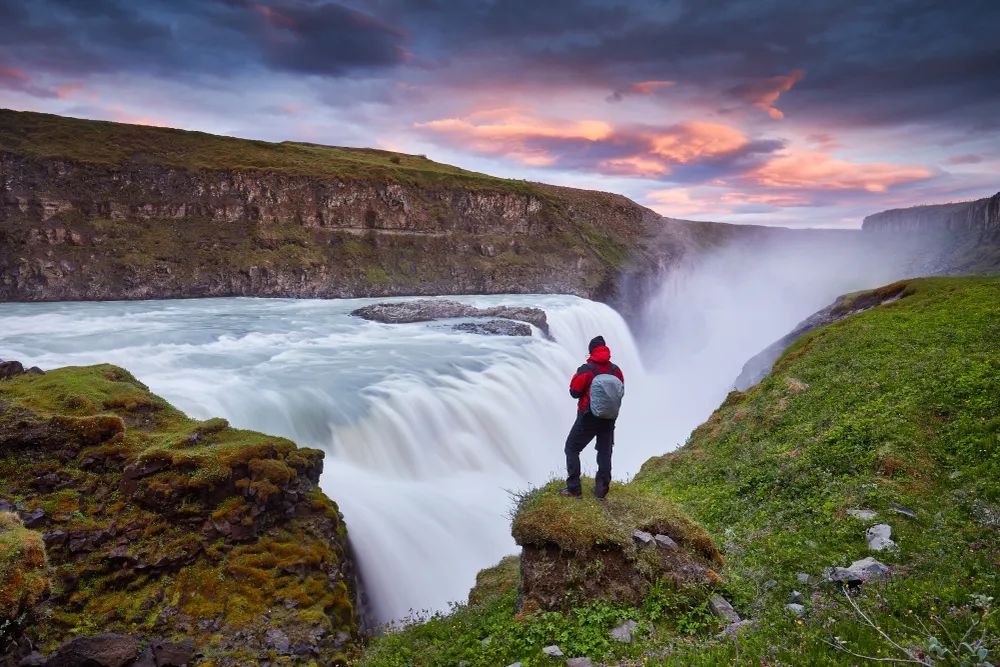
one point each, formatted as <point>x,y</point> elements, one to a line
<point>598,363</point>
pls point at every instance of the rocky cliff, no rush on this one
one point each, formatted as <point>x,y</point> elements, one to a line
<point>93,210</point>
<point>963,237</point>
<point>161,534</point>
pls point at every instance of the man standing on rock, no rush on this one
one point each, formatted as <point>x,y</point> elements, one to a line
<point>599,386</point>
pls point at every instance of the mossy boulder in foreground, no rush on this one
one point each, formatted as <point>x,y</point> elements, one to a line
<point>577,550</point>
<point>161,528</point>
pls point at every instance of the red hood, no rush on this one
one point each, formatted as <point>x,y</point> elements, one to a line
<point>600,355</point>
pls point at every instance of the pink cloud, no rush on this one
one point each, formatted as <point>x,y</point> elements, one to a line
<point>764,94</point>
<point>678,202</point>
<point>594,145</point>
<point>644,88</point>
<point>13,78</point>
<point>821,171</point>
<point>780,200</point>
<point>120,115</point>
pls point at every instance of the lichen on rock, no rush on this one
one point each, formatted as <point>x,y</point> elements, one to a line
<point>158,526</point>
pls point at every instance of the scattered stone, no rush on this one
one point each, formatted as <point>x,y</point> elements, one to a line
<point>495,328</point>
<point>485,641</point>
<point>721,608</point>
<point>642,536</point>
<point>904,510</point>
<point>553,651</point>
<point>32,518</point>
<point>878,537</point>
<point>167,654</point>
<point>734,629</point>
<point>796,597</point>
<point>104,650</point>
<point>35,370</point>
<point>986,514</point>
<point>802,578</point>
<point>796,609</point>
<point>770,585</point>
<point>623,632</point>
<point>859,571</point>
<point>666,542</point>
<point>863,515</point>
<point>579,662</point>
<point>277,640</point>
<point>514,664</point>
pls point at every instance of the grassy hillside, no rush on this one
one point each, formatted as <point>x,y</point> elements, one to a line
<point>113,144</point>
<point>898,405</point>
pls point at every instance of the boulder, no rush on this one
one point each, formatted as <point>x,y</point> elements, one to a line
<point>579,662</point>
<point>9,369</point>
<point>859,572</point>
<point>802,578</point>
<point>665,542</point>
<point>104,650</point>
<point>878,538</point>
<point>553,651</point>
<point>902,509</point>
<point>720,607</point>
<point>623,632</point>
<point>796,597</point>
<point>862,515</point>
<point>642,536</point>
<point>796,609</point>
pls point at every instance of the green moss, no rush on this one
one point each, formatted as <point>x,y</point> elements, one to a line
<point>89,427</point>
<point>24,571</point>
<point>580,524</point>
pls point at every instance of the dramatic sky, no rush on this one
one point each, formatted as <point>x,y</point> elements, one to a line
<point>794,112</point>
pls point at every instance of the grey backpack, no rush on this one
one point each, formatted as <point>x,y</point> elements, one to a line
<point>606,392</point>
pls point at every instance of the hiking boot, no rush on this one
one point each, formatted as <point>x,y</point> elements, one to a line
<point>570,494</point>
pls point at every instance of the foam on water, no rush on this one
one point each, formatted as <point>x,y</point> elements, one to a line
<point>426,428</point>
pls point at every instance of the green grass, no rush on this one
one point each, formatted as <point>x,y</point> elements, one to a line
<point>899,404</point>
<point>115,144</point>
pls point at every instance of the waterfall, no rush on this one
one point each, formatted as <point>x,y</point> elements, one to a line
<point>425,428</point>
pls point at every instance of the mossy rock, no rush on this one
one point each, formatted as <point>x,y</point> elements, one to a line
<point>161,526</point>
<point>24,571</point>
<point>577,550</point>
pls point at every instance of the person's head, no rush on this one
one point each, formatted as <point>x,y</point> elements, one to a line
<point>596,342</point>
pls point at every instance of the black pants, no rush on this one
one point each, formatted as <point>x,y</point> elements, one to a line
<point>586,427</point>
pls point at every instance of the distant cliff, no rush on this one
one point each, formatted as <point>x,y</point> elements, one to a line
<point>962,237</point>
<point>95,210</point>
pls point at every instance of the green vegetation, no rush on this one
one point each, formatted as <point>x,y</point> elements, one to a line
<point>899,404</point>
<point>115,144</point>
<point>578,524</point>
<point>24,575</point>
<point>170,526</point>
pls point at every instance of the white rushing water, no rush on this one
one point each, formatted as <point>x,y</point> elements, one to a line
<point>426,428</point>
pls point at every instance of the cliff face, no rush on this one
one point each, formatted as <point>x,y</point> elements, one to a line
<point>980,217</point>
<point>159,528</point>
<point>104,211</point>
<point>944,238</point>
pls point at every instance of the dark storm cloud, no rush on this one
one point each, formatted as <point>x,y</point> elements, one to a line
<point>182,39</point>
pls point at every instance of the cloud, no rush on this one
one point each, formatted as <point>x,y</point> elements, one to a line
<point>13,78</point>
<point>817,170</point>
<point>764,94</point>
<point>965,159</point>
<point>679,202</point>
<point>643,88</point>
<point>767,199</point>
<point>592,145</point>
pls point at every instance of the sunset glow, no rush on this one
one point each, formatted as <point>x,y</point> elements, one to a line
<point>812,125</point>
